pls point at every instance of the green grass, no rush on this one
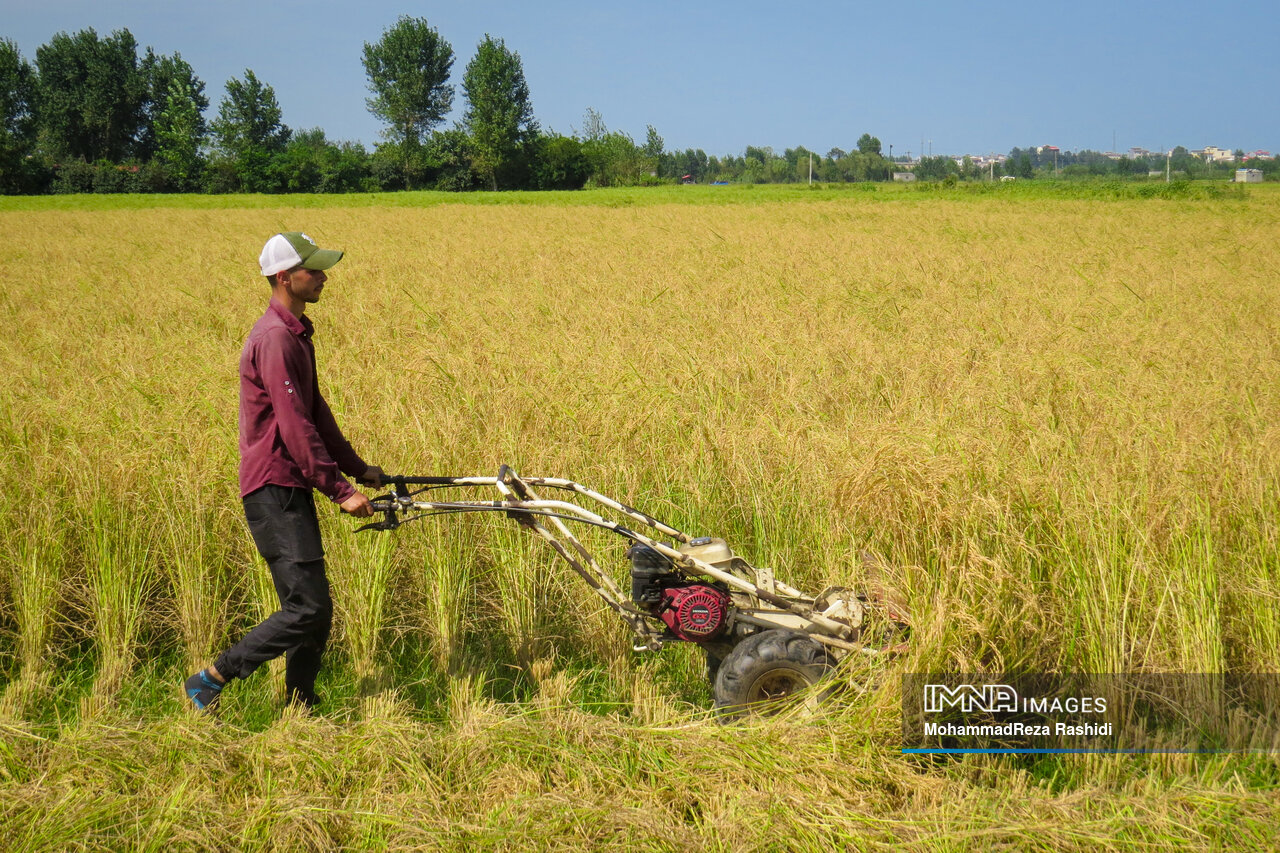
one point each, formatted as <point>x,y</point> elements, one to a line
<point>646,196</point>
<point>622,197</point>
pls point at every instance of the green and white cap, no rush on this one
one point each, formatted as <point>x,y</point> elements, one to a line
<point>295,249</point>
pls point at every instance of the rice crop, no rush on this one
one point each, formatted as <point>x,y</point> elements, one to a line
<point>1052,417</point>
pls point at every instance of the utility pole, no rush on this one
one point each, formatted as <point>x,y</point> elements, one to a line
<point>810,167</point>
<point>1168,165</point>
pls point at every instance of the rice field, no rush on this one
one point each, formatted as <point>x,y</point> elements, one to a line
<point>1052,416</point>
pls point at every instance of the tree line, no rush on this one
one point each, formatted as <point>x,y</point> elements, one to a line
<point>1043,162</point>
<point>96,114</point>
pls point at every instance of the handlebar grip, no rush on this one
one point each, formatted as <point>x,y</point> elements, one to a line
<point>400,482</point>
<point>385,524</point>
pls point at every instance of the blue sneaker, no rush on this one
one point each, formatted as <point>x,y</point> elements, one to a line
<point>204,690</point>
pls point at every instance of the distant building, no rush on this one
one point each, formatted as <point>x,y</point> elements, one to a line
<point>1248,176</point>
<point>904,177</point>
<point>1213,154</point>
<point>983,160</point>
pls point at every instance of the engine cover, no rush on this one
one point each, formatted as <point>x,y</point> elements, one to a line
<point>695,612</point>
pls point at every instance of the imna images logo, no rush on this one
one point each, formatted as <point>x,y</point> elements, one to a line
<point>988,698</point>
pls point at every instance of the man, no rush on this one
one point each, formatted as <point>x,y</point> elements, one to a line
<point>290,444</point>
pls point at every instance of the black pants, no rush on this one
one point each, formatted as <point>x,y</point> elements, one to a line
<point>284,527</point>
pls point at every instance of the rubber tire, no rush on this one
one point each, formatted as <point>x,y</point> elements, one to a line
<point>766,668</point>
<point>714,654</point>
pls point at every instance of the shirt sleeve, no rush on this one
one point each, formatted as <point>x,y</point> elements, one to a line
<point>286,372</point>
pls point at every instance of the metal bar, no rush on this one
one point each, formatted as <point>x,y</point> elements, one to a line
<point>835,642</point>
<point>789,590</point>
<point>678,558</point>
<point>601,583</point>
<point>440,481</point>
<point>602,580</point>
<point>604,576</point>
<point>470,506</point>
<point>632,512</point>
<point>645,518</point>
<point>637,620</point>
<point>553,483</point>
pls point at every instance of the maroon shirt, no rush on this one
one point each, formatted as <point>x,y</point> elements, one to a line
<point>288,436</point>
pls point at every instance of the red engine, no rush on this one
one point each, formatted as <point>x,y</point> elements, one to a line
<point>695,612</point>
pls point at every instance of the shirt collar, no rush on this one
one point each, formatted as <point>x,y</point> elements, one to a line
<point>300,326</point>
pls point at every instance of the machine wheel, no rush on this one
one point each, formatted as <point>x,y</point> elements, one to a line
<point>714,655</point>
<point>768,667</point>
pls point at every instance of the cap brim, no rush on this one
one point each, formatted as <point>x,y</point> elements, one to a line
<point>321,259</point>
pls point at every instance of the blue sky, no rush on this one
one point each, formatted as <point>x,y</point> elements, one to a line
<point>955,78</point>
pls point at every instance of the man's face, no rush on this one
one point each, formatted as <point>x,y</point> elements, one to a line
<point>306,284</point>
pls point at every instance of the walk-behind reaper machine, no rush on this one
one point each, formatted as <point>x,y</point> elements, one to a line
<point>763,639</point>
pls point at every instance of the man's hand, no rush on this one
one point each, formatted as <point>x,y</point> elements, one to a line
<point>372,476</point>
<point>358,505</point>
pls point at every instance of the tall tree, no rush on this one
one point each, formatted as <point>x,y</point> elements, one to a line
<point>408,71</point>
<point>653,149</point>
<point>615,159</point>
<point>499,114</point>
<point>868,144</point>
<point>91,95</point>
<point>593,126</point>
<point>249,132</point>
<point>166,78</point>
<point>17,114</point>
<point>560,164</point>
<point>179,131</point>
